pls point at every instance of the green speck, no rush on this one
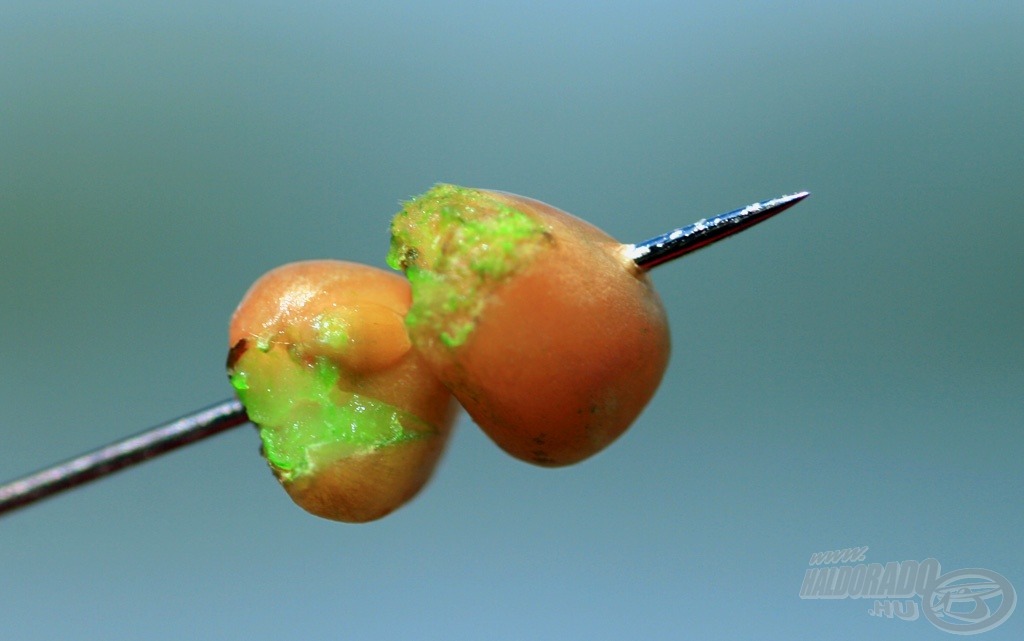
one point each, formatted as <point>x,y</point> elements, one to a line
<point>331,331</point>
<point>461,333</point>
<point>304,416</point>
<point>455,245</point>
<point>239,381</point>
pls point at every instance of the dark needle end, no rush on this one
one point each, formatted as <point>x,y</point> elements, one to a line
<point>684,240</point>
<point>134,449</point>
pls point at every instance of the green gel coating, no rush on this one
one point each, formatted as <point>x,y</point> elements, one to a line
<point>305,419</point>
<point>455,245</point>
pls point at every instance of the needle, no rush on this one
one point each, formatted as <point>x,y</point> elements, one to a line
<point>682,241</point>
<point>134,449</point>
<point>230,413</point>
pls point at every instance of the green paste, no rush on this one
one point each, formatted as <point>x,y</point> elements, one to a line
<point>305,419</point>
<point>455,245</point>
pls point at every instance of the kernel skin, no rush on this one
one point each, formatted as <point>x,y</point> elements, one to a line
<point>566,351</point>
<point>378,362</point>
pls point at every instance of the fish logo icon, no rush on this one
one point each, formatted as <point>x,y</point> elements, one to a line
<point>969,601</point>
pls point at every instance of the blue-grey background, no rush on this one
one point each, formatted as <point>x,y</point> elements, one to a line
<point>848,374</point>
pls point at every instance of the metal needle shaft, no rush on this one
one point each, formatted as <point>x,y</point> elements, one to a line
<point>682,241</point>
<point>134,449</point>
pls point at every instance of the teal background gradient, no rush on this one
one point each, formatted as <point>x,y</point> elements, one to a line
<point>848,374</point>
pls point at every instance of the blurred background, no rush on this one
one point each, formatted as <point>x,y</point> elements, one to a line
<point>848,374</point>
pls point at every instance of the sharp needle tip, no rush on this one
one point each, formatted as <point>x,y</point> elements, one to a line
<point>661,249</point>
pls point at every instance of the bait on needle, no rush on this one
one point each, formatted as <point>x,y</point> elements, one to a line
<point>230,413</point>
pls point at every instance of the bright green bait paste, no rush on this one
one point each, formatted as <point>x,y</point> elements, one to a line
<point>455,245</point>
<point>305,419</point>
